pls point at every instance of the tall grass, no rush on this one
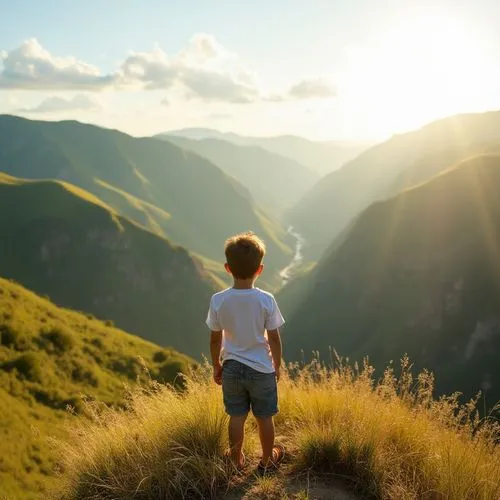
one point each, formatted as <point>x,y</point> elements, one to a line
<point>389,437</point>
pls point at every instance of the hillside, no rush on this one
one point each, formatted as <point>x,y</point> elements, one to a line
<point>430,165</point>
<point>52,357</point>
<point>173,192</point>
<point>65,244</point>
<point>418,273</point>
<point>320,157</point>
<point>338,197</point>
<point>275,182</point>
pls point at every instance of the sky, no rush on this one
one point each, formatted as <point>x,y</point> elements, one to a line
<point>357,70</point>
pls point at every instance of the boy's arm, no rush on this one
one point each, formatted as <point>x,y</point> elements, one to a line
<point>215,347</point>
<point>274,339</point>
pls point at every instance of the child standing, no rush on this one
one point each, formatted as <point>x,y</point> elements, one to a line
<point>245,360</point>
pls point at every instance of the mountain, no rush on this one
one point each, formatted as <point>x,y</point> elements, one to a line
<point>171,191</point>
<point>418,273</point>
<point>338,197</point>
<point>275,182</point>
<point>50,358</point>
<point>62,242</point>
<point>320,157</point>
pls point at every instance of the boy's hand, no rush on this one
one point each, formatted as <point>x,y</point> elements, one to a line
<point>278,374</point>
<point>218,374</point>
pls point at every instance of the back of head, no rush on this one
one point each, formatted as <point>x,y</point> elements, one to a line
<point>244,254</point>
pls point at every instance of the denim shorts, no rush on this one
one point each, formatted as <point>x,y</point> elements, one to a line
<point>244,388</point>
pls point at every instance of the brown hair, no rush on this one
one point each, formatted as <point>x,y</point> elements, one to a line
<point>244,254</point>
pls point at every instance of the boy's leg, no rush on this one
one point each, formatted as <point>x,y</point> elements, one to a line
<point>237,405</point>
<point>264,401</point>
<point>266,435</point>
<point>236,436</point>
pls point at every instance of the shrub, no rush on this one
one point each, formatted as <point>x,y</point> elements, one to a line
<point>159,356</point>
<point>61,339</point>
<point>97,342</point>
<point>28,366</point>
<point>128,366</point>
<point>81,373</point>
<point>169,372</point>
<point>58,400</point>
<point>9,336</point>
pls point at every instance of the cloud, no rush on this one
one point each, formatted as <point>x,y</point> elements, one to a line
<point>54,104</point>
<point>214,86</point>
<point>31,67</point>
<point>150,70</point>
<point>204,69</point>
<point>200,69</point>
<point>312,88</point>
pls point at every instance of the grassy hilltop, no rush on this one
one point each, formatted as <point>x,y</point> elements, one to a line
<point>387,439</point>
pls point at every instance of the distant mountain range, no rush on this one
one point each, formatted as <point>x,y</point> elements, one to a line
<point>50,358</point>
<point>171,191</point>
<point>406,241</point>
<point>274,181</point>
<point>62,242</point>
<point>320,157</point>
<point>381,171</point>
<point>418,273</point>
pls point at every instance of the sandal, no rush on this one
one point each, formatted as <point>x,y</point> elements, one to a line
<point>272,465</point>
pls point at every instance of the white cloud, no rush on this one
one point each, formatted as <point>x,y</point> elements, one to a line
<point>200,69</point>
<point>219,86</point>
<point>203,69</point>
<point>54,104</point>
<point>202,48</point>
<point>312,88</point>
<point>151,70</point>
<point>31,67</point>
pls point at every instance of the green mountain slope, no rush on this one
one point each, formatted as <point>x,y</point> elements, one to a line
<point>275,182</point>
<point>172,191</point>
<point>430,165</point>
<point>418,273</point>
<point>60,241</point>
<point>52,357</point>
<point>320,157</point>
<point>338,197</point>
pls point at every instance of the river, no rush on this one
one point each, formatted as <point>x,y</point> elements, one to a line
<point>287,272</point>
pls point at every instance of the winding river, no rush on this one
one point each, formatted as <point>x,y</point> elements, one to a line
<point>287,272</point>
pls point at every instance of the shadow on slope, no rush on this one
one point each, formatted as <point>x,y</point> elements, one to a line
<point>60,241</point>
<point>418,273</point>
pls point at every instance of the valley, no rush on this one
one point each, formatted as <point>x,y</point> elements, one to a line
<point>395,252</point>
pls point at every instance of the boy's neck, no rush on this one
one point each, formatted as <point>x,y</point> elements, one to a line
<point>246,284</point>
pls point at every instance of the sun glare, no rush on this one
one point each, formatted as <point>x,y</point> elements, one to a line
<point>426,67</point>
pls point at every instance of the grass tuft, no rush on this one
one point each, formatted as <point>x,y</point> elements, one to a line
<point>389,438</point>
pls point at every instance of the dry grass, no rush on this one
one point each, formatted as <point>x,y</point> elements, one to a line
<point>389,437</point>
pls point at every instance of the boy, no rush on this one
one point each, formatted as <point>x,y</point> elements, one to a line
<point>238,319</point>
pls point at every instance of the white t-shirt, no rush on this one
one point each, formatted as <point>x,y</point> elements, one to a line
<point>244,315</point>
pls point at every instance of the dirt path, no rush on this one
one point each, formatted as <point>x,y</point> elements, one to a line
<point>287,484</point>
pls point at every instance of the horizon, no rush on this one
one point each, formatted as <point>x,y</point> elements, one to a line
<point>348,73</point>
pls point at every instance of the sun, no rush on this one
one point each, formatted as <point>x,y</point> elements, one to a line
<point>421,68</point>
